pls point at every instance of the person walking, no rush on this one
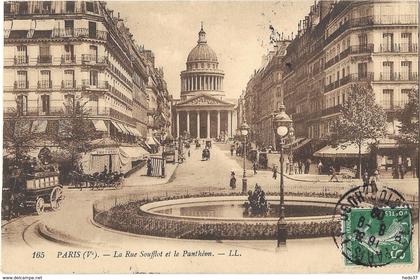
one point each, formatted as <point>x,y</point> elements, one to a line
<point>254,166</point>
<point>231,151</point>
<point>320,165</point>
<point>333,174</point>
<point>401,170</point>
<point>275,172</point>
<point>300,166</point>
<point>232,182</point>
<point>376,175</point>
<point>374,186</point>
<point>149,167</point>
<point>365,178</point>
<point>189,153</point>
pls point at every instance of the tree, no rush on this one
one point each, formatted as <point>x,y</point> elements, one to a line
<point>18,136</point>
<point>75,131</point>
<point>409,128</point>
<point>361,120</point>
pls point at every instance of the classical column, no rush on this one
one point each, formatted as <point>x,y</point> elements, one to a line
<point>188,121</point>
<point>196,82</point>
<point>208,124</point>
<point>218,124</point>
<point>229,123</point>
<point>207,82</point>
<point>198,124</point>
<point>199,82</point>
<point>177,124</point>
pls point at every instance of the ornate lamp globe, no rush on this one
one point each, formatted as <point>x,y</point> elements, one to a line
<point>282,122</point>
<point>244,129</point>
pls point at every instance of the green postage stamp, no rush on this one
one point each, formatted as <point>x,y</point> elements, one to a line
<point>377,236</point>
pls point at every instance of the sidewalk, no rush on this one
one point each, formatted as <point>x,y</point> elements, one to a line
<point>140,178</point>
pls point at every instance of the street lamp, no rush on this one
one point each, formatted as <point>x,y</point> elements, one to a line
<point>244,132</point>
<point>281,124</point>
<point>292,139</point>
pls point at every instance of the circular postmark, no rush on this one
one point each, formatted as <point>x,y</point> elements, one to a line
<point>376,226</point>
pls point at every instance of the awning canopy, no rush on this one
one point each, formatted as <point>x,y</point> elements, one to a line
<point>44,24</point>
<point>100,125</point>
<point>133,152</point>
<point>117,126</point>
<point>22,24</point>
<point>152,141</point>
<point>126,130</point>
<point>342,151</point>
<point>39,126</point>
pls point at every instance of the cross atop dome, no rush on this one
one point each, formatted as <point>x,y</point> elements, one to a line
<point>202,35</point>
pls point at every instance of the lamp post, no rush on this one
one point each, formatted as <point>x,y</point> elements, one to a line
<point>291,138</point>
<point>281,124</point>
<point>244,133</point>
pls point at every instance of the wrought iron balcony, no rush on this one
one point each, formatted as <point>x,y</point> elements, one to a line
<point>44,84</point>
<point>44,59</point>
<point>21,59</point>
<point>357,49</point>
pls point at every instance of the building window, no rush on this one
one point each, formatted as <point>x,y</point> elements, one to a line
<point>69,28</point>
<point>388,99</point>
<point>69,103</point>
<point>94,78</point>
<point>362,70</point>
<point>90,7</point>
<point>44,54</point>
<point>45,104</point>
<point>69,81</point>
<point>22,79</point>
<point>93,53</point>
<point>406,43</point>
<point>363,40</point>
<point>22,55</point>
<point>70,6</point>
<point>23,8</point>
<point>387,42</point>
<point>388,70</point>
<point>92,29</point>
<point>406,70</point>
<point>22,105</point>
<point>46,7</point>
<point>45,79</point>
<point>405,93</point>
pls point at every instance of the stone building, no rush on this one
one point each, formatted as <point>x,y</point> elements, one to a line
<point>202,111</point>
<point>340,43</point>
<point>56,51</point>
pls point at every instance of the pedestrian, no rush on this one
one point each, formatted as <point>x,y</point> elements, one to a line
<point>376,175</point>
<point>231,151</point>
<point>296,168</point>
<point>105,171</point>
<point>307,165</point>
<point>254,166</point>
<point>333,174</point>
<point>189,154</point>
<point>232,183</point>
<point>300,166</point>
<point>320,165</point>
<point>374,186</point>
<point>401,169</point>
<point>365,178</point>
<point>275,172</point>
<point>149,167</point>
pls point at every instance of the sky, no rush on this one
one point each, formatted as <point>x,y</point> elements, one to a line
<point>237,31</point>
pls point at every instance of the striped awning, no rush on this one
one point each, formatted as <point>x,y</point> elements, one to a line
<point>39,126</point>
<point>342,151</point>
<point>117,126</point>
<point>100,125</point>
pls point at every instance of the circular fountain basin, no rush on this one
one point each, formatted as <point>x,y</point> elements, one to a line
<point>231,208</point>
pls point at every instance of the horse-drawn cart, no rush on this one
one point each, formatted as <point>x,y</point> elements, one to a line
<point>33,193</point>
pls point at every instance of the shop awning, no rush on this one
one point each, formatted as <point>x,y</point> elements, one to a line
<point>45,24</point>
<point>133,152</point>
<point>116,125</point>
<point>100,125</point>
<point>126,130</point>
<point>39,126</point>
<point>152,141</point>
<point>134,131</point>
<point>25,24</point>
<point>342,151</point>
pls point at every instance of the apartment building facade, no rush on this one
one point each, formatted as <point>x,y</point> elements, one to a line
<point>59,51</point>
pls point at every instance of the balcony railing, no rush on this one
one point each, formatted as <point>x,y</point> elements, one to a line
<point>395,76</point>
<point>363,77</point>
<point>362,48</point>
<point>331,110</point>
<point>80,33</point>
<point>398,48</point>
<point>44,85</point>
<point>44,59</point>
<point>88,84</point>
<point>21,59</point>
<point>91,58</point>
<point>21,85</point>
<point>68,59</point>
<point>68,84</point>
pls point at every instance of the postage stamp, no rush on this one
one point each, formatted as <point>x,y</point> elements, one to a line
<point>377,236</point>
<point>376,227</point>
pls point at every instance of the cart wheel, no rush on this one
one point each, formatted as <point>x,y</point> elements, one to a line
<point>40,205</point>
<point>56,198</point>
